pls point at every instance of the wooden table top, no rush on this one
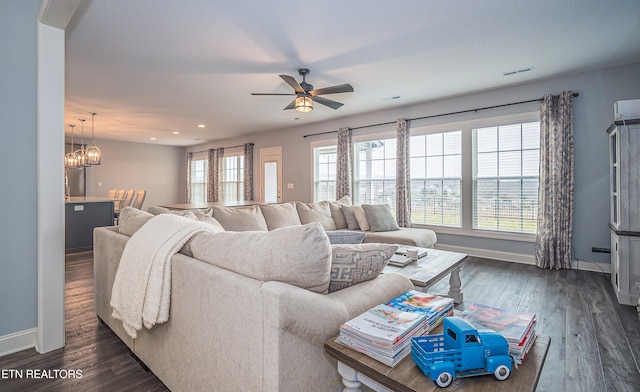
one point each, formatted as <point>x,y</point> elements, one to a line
<point>430,268</point>
<point>407,377</point>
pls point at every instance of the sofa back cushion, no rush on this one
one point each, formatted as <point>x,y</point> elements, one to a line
<point>316,212</point>
<point>280,215</point>
<point>350,217</point>
<point>353,264</point>
<point>131,220</point>
<point>298,255</point>
<point>336,211</point>
<point>240,218</point>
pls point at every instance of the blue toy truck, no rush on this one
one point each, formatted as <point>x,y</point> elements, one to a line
<point>461,351</point>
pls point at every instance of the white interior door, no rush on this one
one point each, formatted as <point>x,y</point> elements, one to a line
<point>271,175</point>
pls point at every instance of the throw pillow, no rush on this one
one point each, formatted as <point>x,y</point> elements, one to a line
<point>361,217</point>
<point>345,237</point>
<point>353,264</point>
<point>336,211</point>
<point>298,255</point>
<point>240,218</point>
<point>201,213</point>
<point>350,218</point>
<point>131,219</point>
<point>157,210</point>
<point>380,217</point>
<point>280,215</point>
<point>316,212</point>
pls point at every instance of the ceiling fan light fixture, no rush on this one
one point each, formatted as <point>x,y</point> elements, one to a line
<point>304,104</point>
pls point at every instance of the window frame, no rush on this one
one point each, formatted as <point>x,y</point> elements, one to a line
<point>239,184</point>
<point>199,157</point>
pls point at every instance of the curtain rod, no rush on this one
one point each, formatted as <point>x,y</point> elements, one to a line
<point>239,145</point>
<point>438,115</point>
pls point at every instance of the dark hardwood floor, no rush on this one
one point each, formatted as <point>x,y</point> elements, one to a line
<point>595,342</point>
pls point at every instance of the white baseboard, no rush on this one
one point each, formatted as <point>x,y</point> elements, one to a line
<point>18,341</point>
<point>521,258</point>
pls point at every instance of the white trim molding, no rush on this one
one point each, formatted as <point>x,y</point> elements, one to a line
<point>521,258</point>
<point>18,341</point>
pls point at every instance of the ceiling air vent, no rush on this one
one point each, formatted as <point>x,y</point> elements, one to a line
<point>517,71</point>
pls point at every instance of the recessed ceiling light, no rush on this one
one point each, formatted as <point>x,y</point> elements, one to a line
<point>175,132</point>
<point>152,138</point>
<point>201,126</point>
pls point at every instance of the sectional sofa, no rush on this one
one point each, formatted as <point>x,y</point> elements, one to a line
<point>252,306</point>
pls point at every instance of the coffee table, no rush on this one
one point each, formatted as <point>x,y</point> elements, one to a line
<point>356,369</point>
<point>431,268</point>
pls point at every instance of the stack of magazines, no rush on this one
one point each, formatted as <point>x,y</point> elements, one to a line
<point>434,307</point>
<point>519,328</point>
<point>384,332</point>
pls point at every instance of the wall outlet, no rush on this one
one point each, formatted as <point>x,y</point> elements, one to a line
<point>99,183</point>
<point>289,186</point>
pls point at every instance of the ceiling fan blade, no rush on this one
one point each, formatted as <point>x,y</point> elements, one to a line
<point>326,102</point>
<point>271,94</point>
<point>293,83</point>
<point>341,88</point>
<point>292,105</point>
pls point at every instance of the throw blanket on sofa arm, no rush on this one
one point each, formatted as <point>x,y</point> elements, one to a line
<point>142,286</point>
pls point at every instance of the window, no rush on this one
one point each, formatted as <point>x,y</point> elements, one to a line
<point>505,177</point>
<point>199,180</point>
<point>436,177</point>
<point>233,178</point>
<point>324,173</point>
<point>375,172</point>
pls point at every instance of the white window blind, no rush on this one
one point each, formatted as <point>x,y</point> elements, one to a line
<point>324,173</point>
<point>233,178</point>
<point>505,177</point>
<point>375,173</point>
<point>199,180</point>
<point>436,177</point>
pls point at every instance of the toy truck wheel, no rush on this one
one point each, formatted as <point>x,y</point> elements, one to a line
<point>502,373</point>
<point>444,379</point>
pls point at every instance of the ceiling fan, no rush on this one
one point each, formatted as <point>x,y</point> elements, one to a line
<point>305,94</point>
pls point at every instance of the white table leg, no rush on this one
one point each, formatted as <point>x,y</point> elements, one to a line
<point>349,378</point>
<point>454,286</point>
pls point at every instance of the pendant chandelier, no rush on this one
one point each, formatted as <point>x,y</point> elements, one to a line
<point>71,159</point>
<point>81,153</point>
<point>94,154</point>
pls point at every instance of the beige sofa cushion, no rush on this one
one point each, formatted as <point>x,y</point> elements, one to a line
<point>353,264</point>
<point>380,218</point>
<point>361,217</point>
<point>316,212</point>
<point>280,215</point>
<point>131,220</point>
<point>412,236</point>
<point>297,255</point>
<point>240,218</point>
<point>336,212</point>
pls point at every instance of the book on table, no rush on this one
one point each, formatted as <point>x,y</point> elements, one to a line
<point>402,250</point>
<point>519,328</point>
<point>400,260</point>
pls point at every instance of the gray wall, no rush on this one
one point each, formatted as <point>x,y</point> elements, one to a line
<point>18,225</point>
<point>160,170</point>
<point>593,112</point>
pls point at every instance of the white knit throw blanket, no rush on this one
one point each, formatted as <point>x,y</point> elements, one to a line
<point>142,286</point>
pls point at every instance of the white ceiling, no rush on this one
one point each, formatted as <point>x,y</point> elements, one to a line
<point>153,67</point>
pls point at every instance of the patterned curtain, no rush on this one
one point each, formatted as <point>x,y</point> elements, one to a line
<point>212,178</point>
<point>403,175</point>
<point>189,160</point>
<point>555,193</point>
<point>344,160</point>
<point>248,171</point>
